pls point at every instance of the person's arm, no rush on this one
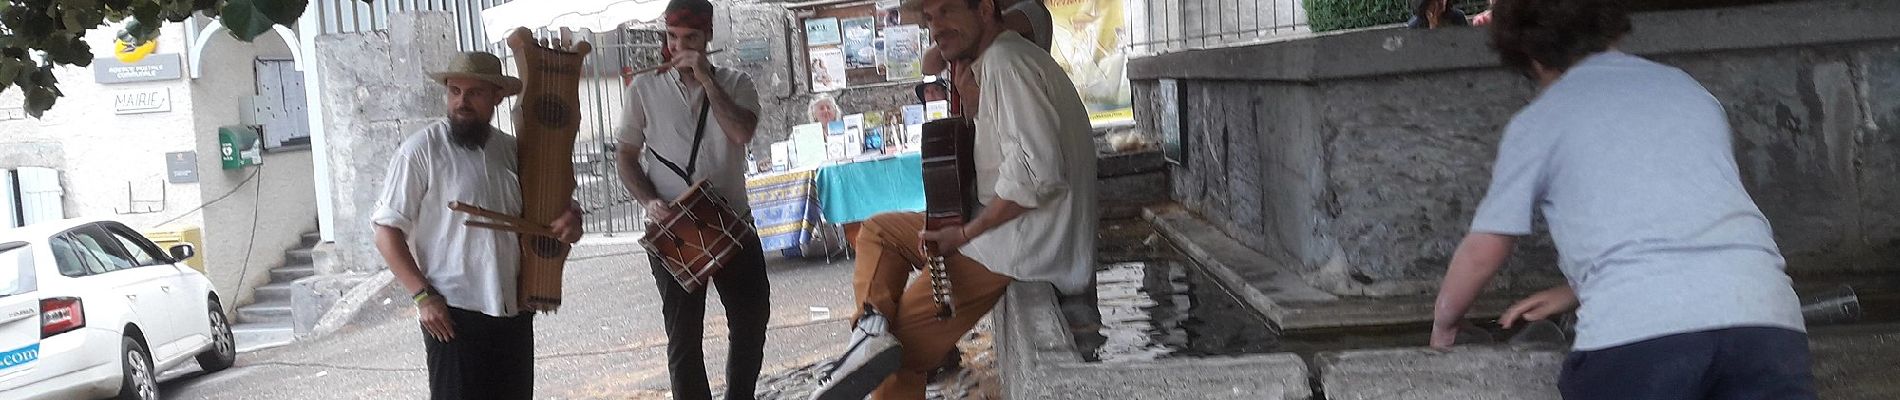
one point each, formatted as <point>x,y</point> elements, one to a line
<point>633,138</point>
<point>735,108</point>
<point>1517,184</point>
<point>1029,175</point>
<point>933,61</point>
<point>397,207</point>
<point>1472,267</point>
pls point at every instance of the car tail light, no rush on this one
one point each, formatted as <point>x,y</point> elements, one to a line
<point>60,315</point>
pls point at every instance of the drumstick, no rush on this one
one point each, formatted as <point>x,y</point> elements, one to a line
<point>657,67</point>
<point>511,228</point>
<point>508,223</point>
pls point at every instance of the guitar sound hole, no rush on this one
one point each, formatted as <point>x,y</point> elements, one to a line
<point>550,113</point>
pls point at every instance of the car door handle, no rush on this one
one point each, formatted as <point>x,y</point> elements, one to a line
<point>132,297</point>
<point>167,289</point>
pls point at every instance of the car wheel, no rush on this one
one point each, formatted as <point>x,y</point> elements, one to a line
<point>139,380</point>
<point>223,350</point>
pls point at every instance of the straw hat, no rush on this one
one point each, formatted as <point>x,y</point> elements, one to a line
<point>482,66</point>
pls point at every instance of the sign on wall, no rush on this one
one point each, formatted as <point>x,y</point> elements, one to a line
<point>181,167</point>
<point>157,67</point>
<point>141,101</point>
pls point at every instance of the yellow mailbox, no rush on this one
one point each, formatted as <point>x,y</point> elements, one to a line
<point>167,237</point>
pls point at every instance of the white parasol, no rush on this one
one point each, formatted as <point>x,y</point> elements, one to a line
<point>588,15</point>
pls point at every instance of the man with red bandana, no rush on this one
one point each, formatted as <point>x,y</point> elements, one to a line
<point>687,122</point>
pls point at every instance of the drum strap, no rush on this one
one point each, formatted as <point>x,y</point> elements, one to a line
<point>699,134</point>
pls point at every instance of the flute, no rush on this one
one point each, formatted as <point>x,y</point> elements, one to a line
<point>663,66</point>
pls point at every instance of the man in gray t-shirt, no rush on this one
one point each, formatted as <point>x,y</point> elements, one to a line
<point>1680,282</point>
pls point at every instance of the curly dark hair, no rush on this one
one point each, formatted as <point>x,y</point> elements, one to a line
<point>1555,33</point>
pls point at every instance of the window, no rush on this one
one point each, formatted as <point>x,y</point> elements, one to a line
<point>16,269</point>
<point>102,248</point>
<point>143,252</point>
<point>72,261</point>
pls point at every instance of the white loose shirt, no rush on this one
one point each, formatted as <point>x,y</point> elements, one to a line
<point>660,115</point>
<point>473,268</point>
<point>1034,147</point>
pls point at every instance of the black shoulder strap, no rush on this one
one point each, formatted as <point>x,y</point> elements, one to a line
<point>699,135</point>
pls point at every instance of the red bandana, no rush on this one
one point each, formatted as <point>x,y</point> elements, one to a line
<point>688,19</point>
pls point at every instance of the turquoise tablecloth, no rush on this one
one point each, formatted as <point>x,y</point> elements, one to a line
<point>854,192</point>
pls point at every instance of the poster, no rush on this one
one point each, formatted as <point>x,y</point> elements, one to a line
<point>859,51</point>
<point>1091,49</point>
<point>821,32</point>
<point>781,156</point>
<point>854,133</point>
<point>835,128</point>
<point>827,69</point>
<point>808,145</point>
<point>914,114</point>
<point>937,110</point>
<point>903,53</point>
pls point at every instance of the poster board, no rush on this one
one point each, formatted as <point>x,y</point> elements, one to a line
<point>874,40</point>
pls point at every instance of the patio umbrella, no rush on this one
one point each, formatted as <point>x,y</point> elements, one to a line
<point>588,15</point>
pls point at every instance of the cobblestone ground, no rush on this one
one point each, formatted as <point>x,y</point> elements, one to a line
<point>974,380</point>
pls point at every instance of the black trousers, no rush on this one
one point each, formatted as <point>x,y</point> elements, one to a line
<point>1735,363</point>
<point>489,358</point>
<point>747,295</point>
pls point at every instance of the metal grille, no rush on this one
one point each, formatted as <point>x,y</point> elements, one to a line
<point>607,205</point>
<point>1162,26</point>
<point>351,16</point>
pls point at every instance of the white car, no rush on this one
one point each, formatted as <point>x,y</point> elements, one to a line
<point>92,309</point>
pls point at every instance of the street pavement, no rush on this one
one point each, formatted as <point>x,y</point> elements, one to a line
<point>606,342</point>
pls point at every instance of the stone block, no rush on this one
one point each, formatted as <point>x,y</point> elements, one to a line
<point>1466,373</point>
<point>1856,362</point>
<point>1038,360</point>
<point>312,297</point>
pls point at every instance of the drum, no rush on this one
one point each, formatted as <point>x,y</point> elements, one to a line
<point>702,236</point>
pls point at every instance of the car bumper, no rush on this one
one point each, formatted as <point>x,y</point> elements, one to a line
<point>83,364</point>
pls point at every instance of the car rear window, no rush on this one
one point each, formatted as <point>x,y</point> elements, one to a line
<point>16,269</point>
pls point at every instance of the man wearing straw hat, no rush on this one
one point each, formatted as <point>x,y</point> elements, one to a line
<point>686,122</point>
<point>480,344</point>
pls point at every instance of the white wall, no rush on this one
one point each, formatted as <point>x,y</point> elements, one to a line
<point>99,152</point>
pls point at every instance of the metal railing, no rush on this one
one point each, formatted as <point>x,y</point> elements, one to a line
<point>352,16</point>
<point>607,206</point>
<point>1163,26</point>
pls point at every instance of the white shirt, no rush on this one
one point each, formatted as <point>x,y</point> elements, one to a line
<point>658,116</point>
<point>474,268</point>
<point>1632,164</point>
<point>1034,147</point>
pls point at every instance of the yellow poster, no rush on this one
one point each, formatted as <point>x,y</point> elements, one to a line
<point>1090,44</point>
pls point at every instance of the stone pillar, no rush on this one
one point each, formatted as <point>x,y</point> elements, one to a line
<point>376,91</point>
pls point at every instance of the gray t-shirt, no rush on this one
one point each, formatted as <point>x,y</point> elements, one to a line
<point>1631,164</point>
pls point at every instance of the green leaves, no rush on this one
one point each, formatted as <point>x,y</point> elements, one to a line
<point>37,36</point>
<point>243,19</point>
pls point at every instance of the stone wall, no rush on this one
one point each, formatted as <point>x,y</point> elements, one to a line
<point>376,93</point>
<point>1359,157</point>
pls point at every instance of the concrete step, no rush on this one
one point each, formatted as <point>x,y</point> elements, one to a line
<point>254,336</point>
<point>291,272</point>
<point>298,257</point>
<point>272,292</point>
<point>266,312</point>
<point>311,239</point>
